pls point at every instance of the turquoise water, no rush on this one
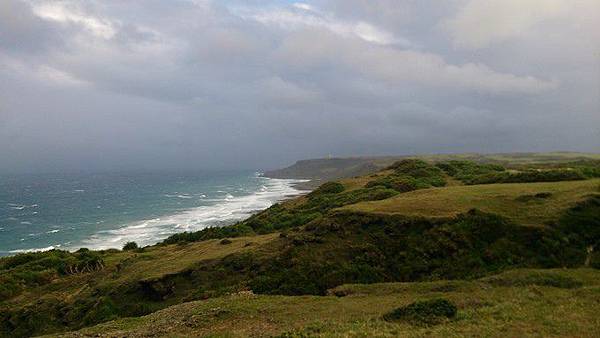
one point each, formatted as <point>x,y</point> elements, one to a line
<point>98,211</point>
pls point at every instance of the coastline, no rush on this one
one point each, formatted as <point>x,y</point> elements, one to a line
<point>224,212</point>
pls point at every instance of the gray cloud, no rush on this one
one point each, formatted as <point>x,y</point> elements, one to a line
<point>101,85</point>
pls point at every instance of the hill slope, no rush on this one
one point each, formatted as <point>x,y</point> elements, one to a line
<point>525,204</point>
<point>515,304</point>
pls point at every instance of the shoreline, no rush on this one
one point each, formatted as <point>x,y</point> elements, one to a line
<point>226,212</point>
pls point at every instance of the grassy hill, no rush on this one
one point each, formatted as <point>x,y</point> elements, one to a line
<point>533,204</point>
<point>329,263</point>
<point>545,303</point>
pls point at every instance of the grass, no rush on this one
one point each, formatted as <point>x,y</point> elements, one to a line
<point>501,199</point>
<point>82,299</point>
<point>159,261</point>
<point>484,309</point>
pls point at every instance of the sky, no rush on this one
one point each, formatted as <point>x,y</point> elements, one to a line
<point>105,85</point>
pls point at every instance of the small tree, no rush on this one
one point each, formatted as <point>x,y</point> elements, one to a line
<point>130,246</point>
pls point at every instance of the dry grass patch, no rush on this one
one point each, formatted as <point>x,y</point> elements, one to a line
<point>502,199</point>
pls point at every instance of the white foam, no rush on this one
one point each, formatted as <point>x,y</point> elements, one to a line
<point>48,248</point>
<point>21,206</point>
<point>227,210</point>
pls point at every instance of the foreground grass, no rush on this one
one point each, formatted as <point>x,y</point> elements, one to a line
<point>515,201</point>
<point>522,304</point>
<point>122,271</point>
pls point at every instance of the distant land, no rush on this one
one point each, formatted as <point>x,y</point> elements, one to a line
<point>324,169</point>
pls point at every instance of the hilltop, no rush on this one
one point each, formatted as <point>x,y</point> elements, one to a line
<point>326,169</point>
<point>490,245</point>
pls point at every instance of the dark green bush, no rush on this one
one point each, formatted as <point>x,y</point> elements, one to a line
<point>431,311</point>
<point>534,197</point>
<point>237,230</point>
<point>581,225</point>
<point>467,170</point>
<point>419,170</point>
<point>130,246</point>
<point>398,183</point>
<point>410,175</point>
<point>40,268</point>
<point>348,247</point>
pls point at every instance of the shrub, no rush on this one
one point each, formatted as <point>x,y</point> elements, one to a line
<point>130,246</point>
<point>40,268</point>
<point>400,184</point>
<point>581,225</point>
<point>417,169</point>
<point>536,197</point>
<point>225,241</point>
<point>528,176</point>
<point>410,175</point>
<point>431,311</point>
<point>466,170</point>
<point>237,230</point>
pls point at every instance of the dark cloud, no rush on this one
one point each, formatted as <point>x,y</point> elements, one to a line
<point>113,85</point>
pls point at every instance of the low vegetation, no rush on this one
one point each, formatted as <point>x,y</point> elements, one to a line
<point>130,246</point>
<point>528,176</point>
<point>29,270</point>
<point>429,312</point>
<point>468,170</point>
<point>409,175</point>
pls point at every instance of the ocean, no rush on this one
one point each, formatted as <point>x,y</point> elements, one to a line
<point>100,211</point>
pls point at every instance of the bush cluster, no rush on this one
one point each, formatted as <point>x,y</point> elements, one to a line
<point>236,230</point>
<point>39,268</point>
<point>528,176</point>
<point>366,248</point>
<point>409,175</point>
<point>467,170</point>
<point>429,312</point>
<point>130,246</point>
<point>581,225</point>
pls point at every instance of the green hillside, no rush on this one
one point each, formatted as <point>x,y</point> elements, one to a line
<point>516,304</point>
<point>329,263</point>
<point>525,204</point>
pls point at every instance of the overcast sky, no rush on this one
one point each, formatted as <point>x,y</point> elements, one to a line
<point>149,84</point>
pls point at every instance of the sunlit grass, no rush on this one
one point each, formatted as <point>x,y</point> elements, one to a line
<point>502,199</point>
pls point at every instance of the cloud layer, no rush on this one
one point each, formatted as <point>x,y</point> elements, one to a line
<point>112,85</point>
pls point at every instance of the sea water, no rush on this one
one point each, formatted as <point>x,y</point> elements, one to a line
<point>100,211</point>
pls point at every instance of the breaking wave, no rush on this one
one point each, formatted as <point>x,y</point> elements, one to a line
<point>224,211</point>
